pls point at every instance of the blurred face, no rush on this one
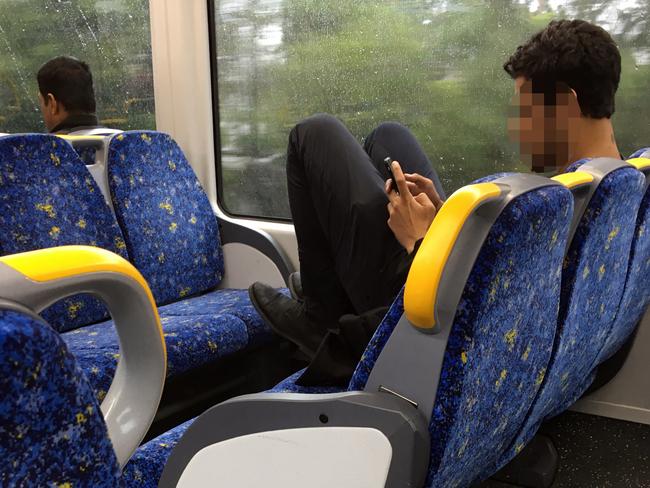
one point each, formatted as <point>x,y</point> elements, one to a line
<point>543,125</point>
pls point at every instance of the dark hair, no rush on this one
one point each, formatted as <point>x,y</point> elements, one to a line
<point>71,83</point>
<point>576,53</point>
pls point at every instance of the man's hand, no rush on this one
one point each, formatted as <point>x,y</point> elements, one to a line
<point>419,184</point>
<point>409,216</point>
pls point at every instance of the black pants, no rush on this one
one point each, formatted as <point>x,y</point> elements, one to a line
<point>350,261</point>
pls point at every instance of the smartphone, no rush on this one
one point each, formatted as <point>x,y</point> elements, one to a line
<point>393,186</point>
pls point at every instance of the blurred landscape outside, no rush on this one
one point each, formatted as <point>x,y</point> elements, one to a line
<point>433,65</point>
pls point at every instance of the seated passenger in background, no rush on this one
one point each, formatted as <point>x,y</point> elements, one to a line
<point>66,95</point>
<point>357,237</point>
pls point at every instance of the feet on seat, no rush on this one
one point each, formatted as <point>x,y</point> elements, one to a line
<point>287,317</point>
<point>295,286</point>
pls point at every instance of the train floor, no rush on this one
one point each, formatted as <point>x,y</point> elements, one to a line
<point>596,452</point>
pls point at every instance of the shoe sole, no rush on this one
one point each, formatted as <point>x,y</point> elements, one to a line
<point>305,349</point>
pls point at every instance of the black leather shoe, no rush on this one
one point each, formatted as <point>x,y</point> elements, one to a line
<point>295,286</point>
<point>287,317</point>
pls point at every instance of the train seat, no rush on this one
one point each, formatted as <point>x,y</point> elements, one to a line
<point>54,430</point>
<point>593,276</point>
<point>191,341</point>
<point>233,302</point>
<point>483,305</point>
<point>171,231</point>
<point>636,294</point>
<point>47,199</point>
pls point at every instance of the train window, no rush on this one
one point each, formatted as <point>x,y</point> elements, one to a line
<point>432,65</point>
<point>113,37</point>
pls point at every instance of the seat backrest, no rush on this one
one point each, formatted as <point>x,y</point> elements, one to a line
<point>53,432</point>
<point>500,329</point>
<point>593,277</point>
<point>48,199</point>
<point>169,226</point>
<point>636,295</point>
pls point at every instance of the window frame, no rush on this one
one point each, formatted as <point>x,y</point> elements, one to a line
<point>216,124</point>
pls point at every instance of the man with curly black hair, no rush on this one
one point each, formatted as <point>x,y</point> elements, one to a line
<point>566,77</point>
<point>353,261</point>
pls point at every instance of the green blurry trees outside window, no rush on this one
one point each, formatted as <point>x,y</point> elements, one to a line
<point>432,65</point>
<point>112,36</point>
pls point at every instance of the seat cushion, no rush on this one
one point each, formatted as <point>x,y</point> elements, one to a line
<point>169,226</point>
<point>191,342</point>
<point>288,385</point>
<point>147,463</point>
<point>230,301</point>
<point>52,432</point>
<point>48,198</point>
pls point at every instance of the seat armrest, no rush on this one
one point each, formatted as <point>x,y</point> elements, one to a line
<point>233,232</point>
<point>36,279</point>
<point>401,423</point>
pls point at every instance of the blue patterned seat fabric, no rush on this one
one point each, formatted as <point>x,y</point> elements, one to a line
<point>641,153</point>
<point>146,466</point>
<point>636,295</point>
<point>48,198</point>
<point>52,431</point>
<point>288,385</point>
<point>170,230</point>
<point>191,342</point>
<point>500,341</point>
<point>593,275</point>
<point>87,154</point>
<point>226,301</point>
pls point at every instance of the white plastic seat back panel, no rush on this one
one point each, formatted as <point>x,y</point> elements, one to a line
<point>325,457</point>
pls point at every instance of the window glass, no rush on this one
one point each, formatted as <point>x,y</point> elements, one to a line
<point>112,36</point>
<point>435,66</point>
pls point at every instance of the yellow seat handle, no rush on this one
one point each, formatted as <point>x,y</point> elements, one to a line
<point>428,265</point>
